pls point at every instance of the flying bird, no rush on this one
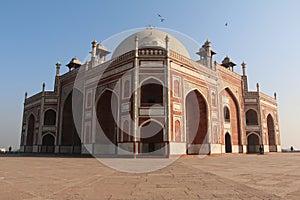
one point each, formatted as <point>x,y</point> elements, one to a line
<point>226,24</point>
<point>161,18</point>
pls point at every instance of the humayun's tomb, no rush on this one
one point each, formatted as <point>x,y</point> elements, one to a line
<point>150,97</point>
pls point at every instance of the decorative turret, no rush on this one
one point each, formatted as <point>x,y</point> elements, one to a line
<point>244,68</point>
<point>101,52</point>
<point>244,77</point>
<point>74,64</point>
<point>206,53</point>
<point>57,68</point>
<point>43,87</point>
<point>94,45</point>
<point>228,63</point>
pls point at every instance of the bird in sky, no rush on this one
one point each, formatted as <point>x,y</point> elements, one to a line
<point>226,24</point>
<point>161,18</point>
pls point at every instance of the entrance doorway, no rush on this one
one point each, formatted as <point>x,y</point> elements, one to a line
<point>152,139</point>
<point>196,123</point>
<point>48,144</point>
<point>253,143</point>
<point>228,146</point>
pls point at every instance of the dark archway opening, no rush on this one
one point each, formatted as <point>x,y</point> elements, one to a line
<point>251,117</point>
<point>253,143</point>
<point>48,144</point>
<point>228,146</point>
<point>271,134</point>
<point>226,114</point>
<point>30,134</point>
<point>50,118</point>
<point>151,93</point>
<point>107,128</point>
<point>70,139</point>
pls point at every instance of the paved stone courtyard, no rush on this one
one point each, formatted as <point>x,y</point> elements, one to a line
<point>271,176</point>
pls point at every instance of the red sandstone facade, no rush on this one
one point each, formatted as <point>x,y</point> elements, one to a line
<point>150,98</point>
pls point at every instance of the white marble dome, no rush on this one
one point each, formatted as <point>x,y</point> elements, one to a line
<point>150,38</point>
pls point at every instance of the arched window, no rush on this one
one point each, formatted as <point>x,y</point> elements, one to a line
<point>151,93</point>
<point>50,117</point>
<point>251,117</point>
<point>226,114</point>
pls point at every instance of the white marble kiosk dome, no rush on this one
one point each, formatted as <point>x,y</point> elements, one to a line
<point>150,38</point>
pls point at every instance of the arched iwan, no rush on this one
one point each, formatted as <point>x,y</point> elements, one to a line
<point>196,120</point>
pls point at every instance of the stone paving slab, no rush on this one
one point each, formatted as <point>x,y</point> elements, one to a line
<point>271,176</point>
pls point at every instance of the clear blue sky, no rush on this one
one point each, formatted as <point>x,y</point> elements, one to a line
<point>35,34</point>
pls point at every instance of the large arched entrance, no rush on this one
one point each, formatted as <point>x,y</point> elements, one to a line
<point>253,143</point>
<point>234,119</point>
<point>271,134</point>
<point>151,134</point>
<point>107,128</point>
<point>48,144</point>
<point>228,146</point>
<point>30,134</point>
<point>70,139</point>
<point>196,123</point>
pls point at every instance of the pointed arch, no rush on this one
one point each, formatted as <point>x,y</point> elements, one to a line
<point>107,112</point>
<point>50,117</point>
<point>251,117</point>
<point>30,130</point>
<point>48,143</point>
<point>271,133</point>
<point>235,118</point>
<point>196,120</point>
<point>226,113</point>
<point>228,143</point>
<point>253,143</point>
<point>152,137</point>
<point>152,92</point>
<point>69,134</point>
